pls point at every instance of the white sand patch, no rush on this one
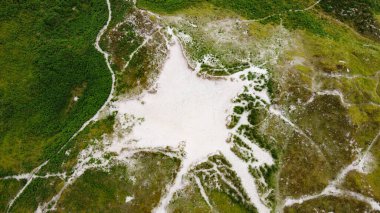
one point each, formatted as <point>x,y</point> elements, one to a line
<point>23,176</point>
<point>27,176</point>
<point>210,60</point>
<point>189,110</point>
<point>185,37</point>
<point>129,199</point>
<point>297,61</point>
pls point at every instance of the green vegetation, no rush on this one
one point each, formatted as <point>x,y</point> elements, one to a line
<point>222,43</point>
<point>359,14</point>
<point>233,122</point>
<point>108,187</point>
<point>330,132</point>
<point>142,69</point>
<point>238,110</point>
<point>305,21</point>
<point>63,55</point>
<point>47,54</point>
<point>254,134</point>
<point>242,150</point>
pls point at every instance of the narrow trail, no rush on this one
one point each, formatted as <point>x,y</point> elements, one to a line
<point>307,8</point>
<point>333,188</point>
<point>336,92</point>
<point>27,176</point>
<point>146,40</point>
